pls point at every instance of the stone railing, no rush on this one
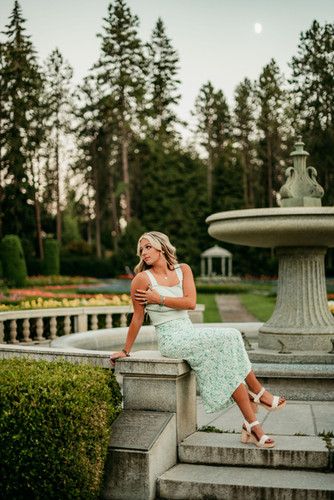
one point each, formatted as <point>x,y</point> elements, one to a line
<point>43,325</point>
<point>39,325</point>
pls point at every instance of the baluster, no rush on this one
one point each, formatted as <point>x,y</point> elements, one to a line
<point>39,330</point>
<point>26,330</point>
<point>94,322</point>
<point>123,320</point>
<point>13,332</point>
<point>2,333</point>
<point>53,328</point>
<point>67,325</point>
<point>108,321</point>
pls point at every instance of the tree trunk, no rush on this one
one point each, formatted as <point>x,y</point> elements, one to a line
<point>97,216</point>
<point>59,231</point>
<point>38,227</point>
<point>269,171</point>
<point>126,178</point>
<point>113,209</point>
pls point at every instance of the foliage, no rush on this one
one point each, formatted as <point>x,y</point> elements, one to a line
<point>13,261</point>
<point>55,421</point>
<point>125,259</point>
<point>313,91</point>
<point>87,266</point>
<point>51,263</point>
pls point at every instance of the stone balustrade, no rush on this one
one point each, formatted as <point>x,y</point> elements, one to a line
<point>39,325</point>
<point>43,325</point>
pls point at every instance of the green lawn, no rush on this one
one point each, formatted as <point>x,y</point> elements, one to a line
<point>211,313</point>
<point>260,306</point>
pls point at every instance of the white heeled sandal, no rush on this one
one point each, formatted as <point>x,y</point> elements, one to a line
<point>248,436</point>
<point>275,405</point>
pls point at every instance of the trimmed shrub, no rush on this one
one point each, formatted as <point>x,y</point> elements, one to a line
<point>13,262</point>
<point>51,262</point>
<point>87,266</point>
<point>55,421</point>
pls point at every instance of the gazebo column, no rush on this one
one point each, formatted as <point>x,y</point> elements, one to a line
<point>223,266</point>
<point>209,266</point>
<point>229,273</point>
<point>202,266</point>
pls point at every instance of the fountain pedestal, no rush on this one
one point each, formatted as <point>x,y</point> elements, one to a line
<point>301,319</point>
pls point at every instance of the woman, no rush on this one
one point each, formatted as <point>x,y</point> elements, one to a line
<point>166,290</point>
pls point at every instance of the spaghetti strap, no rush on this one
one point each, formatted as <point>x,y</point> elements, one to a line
<point>179,273</point>
<point>152,279</point>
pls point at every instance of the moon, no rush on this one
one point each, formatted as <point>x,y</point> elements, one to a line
<point>257,28</point>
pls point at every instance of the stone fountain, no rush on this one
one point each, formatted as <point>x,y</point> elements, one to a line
<point>300,231</point>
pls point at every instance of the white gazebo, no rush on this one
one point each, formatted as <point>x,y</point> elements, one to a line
<point>213,253</point>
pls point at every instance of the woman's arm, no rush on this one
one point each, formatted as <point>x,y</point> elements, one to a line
<point>137,317</point>
<point>188,301</point>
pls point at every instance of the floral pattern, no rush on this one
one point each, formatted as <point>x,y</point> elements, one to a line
<point>217,355</point>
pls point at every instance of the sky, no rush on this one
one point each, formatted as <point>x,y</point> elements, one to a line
<point>216,40</point>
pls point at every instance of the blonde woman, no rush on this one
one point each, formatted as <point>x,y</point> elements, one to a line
<point>166,290</point>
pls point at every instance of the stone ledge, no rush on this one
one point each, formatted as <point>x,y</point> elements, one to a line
<point>151,363</point>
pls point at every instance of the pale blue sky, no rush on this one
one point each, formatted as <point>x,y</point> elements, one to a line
<point>215,39</point>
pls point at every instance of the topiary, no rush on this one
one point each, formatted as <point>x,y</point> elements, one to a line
<point>51,261</point>
<point>55,421</point>
<point>13,262</point>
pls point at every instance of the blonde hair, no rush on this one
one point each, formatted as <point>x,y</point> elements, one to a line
<point>159,241</point>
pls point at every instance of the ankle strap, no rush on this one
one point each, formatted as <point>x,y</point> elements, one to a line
<point>249,426</point>
<point>257,397</point>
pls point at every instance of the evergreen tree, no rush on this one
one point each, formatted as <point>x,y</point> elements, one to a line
<point>313,89</point>
<point>245,137</point>
<point>163,86</point>
<point>213,128</point>
<point>121,70</point>
<point>272,148</point>
<point>21,86</point>
<point>58,103</point>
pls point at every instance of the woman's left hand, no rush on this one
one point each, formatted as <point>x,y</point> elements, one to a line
<point>148,296</point>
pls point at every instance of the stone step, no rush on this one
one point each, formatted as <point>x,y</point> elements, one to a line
<point>186,481</point>
<point>290,452</point>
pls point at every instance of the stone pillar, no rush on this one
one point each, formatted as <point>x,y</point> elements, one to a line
<point>301,319</point>
<point>209,266</point>
<point>223,266</point>
<point>202,267</point>
<point>229,272</point>
<point>159,411</point>
<point>152,382</point>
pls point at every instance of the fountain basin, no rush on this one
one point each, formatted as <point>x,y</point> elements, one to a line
<point>275,227</point>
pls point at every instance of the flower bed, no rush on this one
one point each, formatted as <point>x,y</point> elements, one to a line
<point>77,301</point>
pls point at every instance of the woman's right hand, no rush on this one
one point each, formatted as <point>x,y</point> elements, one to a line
<point>115,356</point>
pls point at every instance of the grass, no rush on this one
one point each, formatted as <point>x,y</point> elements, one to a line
<point>260,306</point>
<point>211,313</point>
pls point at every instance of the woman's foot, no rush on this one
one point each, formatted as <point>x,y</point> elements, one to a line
<point>265,399</point>
<point>253,433</point>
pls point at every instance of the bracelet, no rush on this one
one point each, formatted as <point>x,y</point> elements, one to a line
<point>162,301</point>
<point>127,354</point>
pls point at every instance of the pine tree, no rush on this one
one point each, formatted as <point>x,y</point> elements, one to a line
<point>245,136</point>
<point>272,149</point>
<point>121,70</point>
<point>163,86</point>
<point>58,75</point>
<point>213,128</point>
<point>313,90</point>
<point>20,134</point>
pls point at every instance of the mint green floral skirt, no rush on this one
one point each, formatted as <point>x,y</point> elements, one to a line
<point>217,355</point>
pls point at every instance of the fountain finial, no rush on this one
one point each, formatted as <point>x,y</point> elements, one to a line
<point>301,188</point>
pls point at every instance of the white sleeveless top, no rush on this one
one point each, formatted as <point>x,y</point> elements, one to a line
<point>161,314</point>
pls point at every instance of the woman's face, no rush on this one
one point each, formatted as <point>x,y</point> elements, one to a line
<point>148,253</point>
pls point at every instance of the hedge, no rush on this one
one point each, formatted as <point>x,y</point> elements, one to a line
<point>55,420</point>
<point>13,262</point>
<point>51,261</point>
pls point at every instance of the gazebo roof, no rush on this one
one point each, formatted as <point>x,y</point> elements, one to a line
<point>216,251</point>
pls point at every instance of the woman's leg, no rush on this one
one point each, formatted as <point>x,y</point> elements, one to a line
<point>241,397</point>
<point>255,386</point>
